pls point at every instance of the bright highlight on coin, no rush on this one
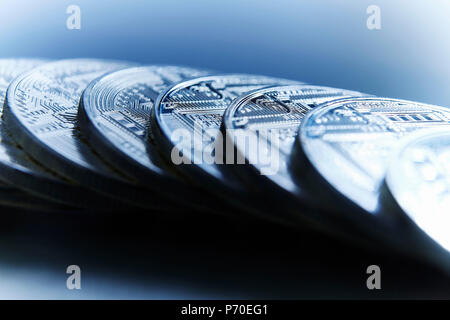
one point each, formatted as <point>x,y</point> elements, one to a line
<point>349,142</point>
<point>89,135</point>
<point>418,179</point>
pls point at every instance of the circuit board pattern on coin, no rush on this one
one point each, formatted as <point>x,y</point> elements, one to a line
<point>197,106</point>
<point>41,111</point>
<point>10,153</point>
<point>349,142</point>
<point>11,68</point>
<point>12,158</point>
<point>269,119</point>
<point>22,170</point>
<point>118,105</point>
<point>419,180</point>
<point>45,103</point>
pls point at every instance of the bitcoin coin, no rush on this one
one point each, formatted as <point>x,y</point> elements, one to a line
<point>186,121</point>
<point>418,179</point>
<point>11,189</point>
<point>9,69</point>
<point>262,126</point>
<point>114,113</point>
<point>348,142</point>
<point>41,114</point>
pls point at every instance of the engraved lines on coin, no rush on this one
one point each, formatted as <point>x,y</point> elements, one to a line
<point>278,110</point>
<point>119,105</point>
<point>198,105</point>
<point>47,102</point>
<point>349,142</point>
<point>46,125</point>
<point>18,169</point>
<point>56,129</point>
<point>9,151</point>
<point>206,101</point>
<point>9,69</point>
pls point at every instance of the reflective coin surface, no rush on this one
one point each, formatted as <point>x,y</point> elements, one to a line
<point>114,116</point>
<point>187,119</point>
<point>262,127</point>
<point>418,178</point>
<point>12,159</point>
<point>21,171</point>
<point>348,142</point>
<point>9,69</point>
<point>41,114</point>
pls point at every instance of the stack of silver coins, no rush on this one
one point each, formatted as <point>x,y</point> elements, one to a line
<point>107,137</point>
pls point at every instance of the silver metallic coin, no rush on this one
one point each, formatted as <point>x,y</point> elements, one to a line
<point>11,192</point>
<point>41,114</point>
<point>262,126</point>
<point>348,142</point>
<point>196,107</point>
<point>114,113</point>
<point>9,69</point>
<point>418,178</point>
<point>22,172</point>
<point>186,121</point>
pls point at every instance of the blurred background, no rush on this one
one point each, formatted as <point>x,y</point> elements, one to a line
<point>317,41</point>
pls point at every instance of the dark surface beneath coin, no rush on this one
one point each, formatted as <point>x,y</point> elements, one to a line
<point>196,258</point>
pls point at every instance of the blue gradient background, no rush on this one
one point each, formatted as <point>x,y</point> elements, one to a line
<point>321,42</point>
